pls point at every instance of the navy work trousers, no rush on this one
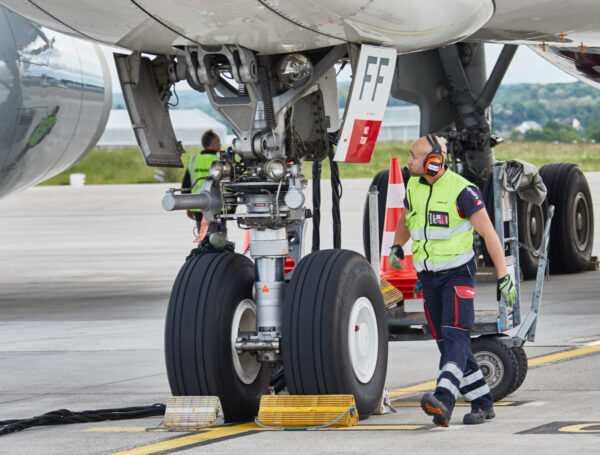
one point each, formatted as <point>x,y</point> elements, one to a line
<point>448,300</point>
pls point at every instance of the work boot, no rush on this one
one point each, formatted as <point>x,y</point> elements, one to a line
<point>477,416</point>
<point>434,407</point>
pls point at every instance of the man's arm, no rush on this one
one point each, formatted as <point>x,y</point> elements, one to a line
<point>402,233</point>
<point>483,225</point>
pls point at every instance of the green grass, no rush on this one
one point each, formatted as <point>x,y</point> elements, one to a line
<point>127,165</point>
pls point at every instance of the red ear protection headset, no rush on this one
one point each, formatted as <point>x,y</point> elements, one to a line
<point>435,159</point>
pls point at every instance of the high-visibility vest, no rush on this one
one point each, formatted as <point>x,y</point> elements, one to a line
<point>442,239</point>
<point>198,166</point>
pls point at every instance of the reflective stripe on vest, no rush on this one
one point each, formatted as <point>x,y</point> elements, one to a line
<point>437,234</point>
<point>450,264</point>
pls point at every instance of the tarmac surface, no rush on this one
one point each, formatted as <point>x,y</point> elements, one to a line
<point>85,277</point>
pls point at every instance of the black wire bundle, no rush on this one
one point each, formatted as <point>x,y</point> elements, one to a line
<point>64,416</point>
<point>316,215</point>
<point>336,193</point>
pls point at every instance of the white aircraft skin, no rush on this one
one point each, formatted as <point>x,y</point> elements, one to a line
<point>279,26</point>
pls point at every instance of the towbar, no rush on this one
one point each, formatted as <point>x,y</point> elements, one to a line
<point>172,201</point>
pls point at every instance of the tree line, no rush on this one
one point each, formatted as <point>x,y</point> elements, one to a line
<point>513,105</point>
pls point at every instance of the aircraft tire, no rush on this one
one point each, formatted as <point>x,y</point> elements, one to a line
<point>532,221</point>
<point>522,366</point>
<point>498,364</point>
<point>572,231</point>
<point>335,338</point>
<point>211,294</point>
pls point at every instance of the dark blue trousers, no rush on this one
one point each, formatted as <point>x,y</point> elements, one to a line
<point>448,302</point>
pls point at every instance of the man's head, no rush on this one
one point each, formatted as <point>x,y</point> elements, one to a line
<point>427,152</point>
<point>211,141</point>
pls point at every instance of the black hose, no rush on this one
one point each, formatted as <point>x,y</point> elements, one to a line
<point>336,193</point>
<point>316,215</point>
<point>64,416</point>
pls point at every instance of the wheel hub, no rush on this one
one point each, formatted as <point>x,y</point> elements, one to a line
<point>491,367</point>
<point>581,221</point>
<point>245,364</point>
<point>535,215</point>
<point>363,339</point>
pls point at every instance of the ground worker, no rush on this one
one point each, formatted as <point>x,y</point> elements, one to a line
<point>192,182</point>
<point>441,210</point>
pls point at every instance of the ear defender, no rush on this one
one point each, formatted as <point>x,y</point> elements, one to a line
<point>434,160</point>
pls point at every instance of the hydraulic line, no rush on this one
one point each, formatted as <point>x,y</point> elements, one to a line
<point>316,188</point>
<point>336,193</point>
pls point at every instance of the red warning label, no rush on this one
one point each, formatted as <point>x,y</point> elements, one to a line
<point>363,140</point>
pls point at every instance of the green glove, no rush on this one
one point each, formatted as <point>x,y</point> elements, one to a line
<point>396,253</point>
<point>507,289</point>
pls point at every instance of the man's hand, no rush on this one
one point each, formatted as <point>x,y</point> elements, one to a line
<point>507,289</point>
<point>396,253</point>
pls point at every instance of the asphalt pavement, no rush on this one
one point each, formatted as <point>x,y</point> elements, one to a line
<point>85,277</point>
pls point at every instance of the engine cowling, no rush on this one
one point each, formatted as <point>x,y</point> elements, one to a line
<point>55,98</point>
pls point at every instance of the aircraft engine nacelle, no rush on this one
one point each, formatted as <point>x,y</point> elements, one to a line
<point>55,98</point>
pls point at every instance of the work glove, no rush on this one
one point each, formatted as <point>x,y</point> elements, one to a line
<point>396,253</point>
<point>507,289</point>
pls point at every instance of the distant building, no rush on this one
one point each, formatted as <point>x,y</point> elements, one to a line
<point>571,121</point>
<point>528,125</point>
<point>189,125</point>
<point>400,123</point>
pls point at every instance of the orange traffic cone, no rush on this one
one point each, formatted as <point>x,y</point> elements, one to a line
<point>406,278</point>
<point>203,231</point>
<point>246,247</point>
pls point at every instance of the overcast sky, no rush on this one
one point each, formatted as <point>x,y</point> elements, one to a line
<point>526,67</point>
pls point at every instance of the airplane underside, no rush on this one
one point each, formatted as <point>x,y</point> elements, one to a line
<point>234,327</point>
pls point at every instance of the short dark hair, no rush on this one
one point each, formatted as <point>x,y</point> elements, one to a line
<point>208,137</point>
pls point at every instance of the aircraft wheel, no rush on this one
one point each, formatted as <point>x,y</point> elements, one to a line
<point>522,366</point>
<point>572,231</point>
<point>497,363</point>
<point>335,336</point>
<point>532,221</point>
<point>210,303</point>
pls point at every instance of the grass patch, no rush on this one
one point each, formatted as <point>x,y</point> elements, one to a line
<point>127,166</point>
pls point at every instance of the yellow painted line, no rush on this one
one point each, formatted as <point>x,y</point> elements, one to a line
<point>581,428</point>
<point>396,393</point>
<point>414,404</point>
<point>585,350</point>
<point>171,444</point>
<point>542,360</point>
<point>117,429</point>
